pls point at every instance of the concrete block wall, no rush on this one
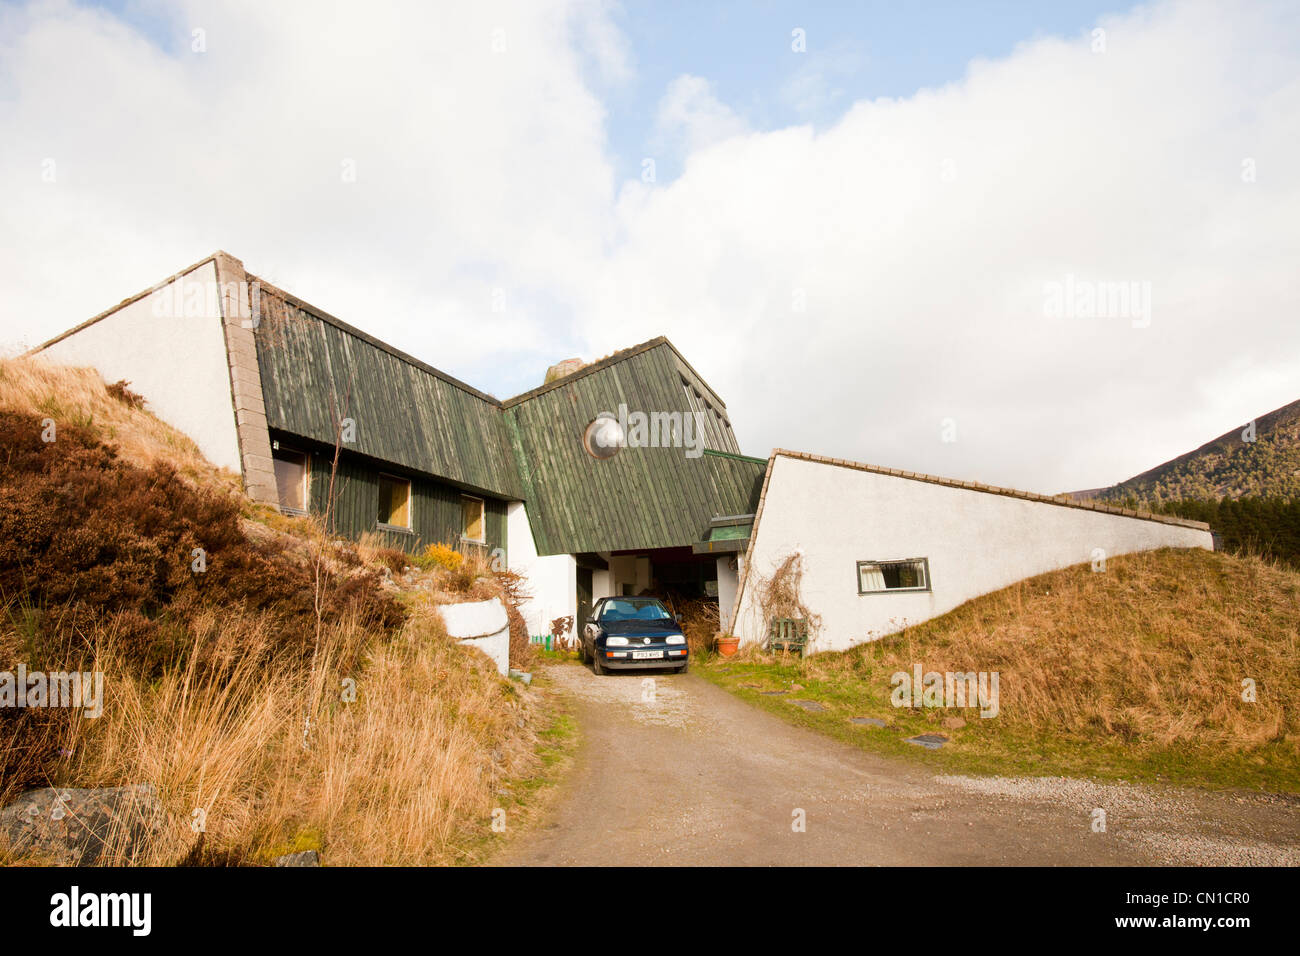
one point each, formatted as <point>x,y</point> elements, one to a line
<point>239,319</point>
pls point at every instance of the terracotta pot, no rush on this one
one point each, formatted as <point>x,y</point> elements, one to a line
<point>727,646</point>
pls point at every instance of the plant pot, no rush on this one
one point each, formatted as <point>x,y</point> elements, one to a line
<point>727,646</point>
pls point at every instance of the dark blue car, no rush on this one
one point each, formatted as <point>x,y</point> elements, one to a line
<point>632,633</point>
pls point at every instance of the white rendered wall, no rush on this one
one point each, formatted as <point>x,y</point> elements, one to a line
<point>622,568</point>
<point>976,542</point>
<point>728,580</point>
<point>170,345</point>
<point>602,585</point>
<point>552,579</point>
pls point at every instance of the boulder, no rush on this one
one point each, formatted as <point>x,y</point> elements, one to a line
<point>484,625</point>
<point>561,369</point>
<point>303,858</point>
<point>77,827</point>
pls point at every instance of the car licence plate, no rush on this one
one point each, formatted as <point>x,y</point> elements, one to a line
<point>646,655</point>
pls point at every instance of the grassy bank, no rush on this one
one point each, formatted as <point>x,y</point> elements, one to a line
<point>280,690</point>
<point>1133,673</point>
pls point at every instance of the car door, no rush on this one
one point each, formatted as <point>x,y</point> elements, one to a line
<point>589,631</point>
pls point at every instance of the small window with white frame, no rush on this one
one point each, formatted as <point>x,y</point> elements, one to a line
<point>473,527</point>
<point>882,577</point>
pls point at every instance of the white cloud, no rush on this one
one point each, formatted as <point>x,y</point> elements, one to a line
<point>474,169</point>
<point>691,118</point>
<point>920,233</point>
<point>917,233</point>
<point>817,85</point>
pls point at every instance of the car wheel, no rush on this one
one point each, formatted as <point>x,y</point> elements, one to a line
<point>595,663</point>
<point>685,667</point>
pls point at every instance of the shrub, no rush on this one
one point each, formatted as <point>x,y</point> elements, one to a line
<point>123,394</point>
<point>514,594</point>
<point>440,556</point>
<point>92,547</point>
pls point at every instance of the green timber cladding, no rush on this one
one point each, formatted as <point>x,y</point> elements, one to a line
<point>435,506</point>
<point>406,412</point>
<point>414,421</point>
<point>641,498</point>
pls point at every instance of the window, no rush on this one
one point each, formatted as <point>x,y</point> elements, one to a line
<point>875,577</point>
<point>638,609</point>
<point>291,479</point>
<point>472,513</point>
<point>716,428</point>
<point>394,502</point>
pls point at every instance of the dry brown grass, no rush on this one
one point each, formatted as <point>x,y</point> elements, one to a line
<point>1153,651</point>
<point>1134,673</point>
<point>405,774</point>
<point>258,735</point>
<point>79,396</point>
<point>373,550</point>
<point>700,622</point>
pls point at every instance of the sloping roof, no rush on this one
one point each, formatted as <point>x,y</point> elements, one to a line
<point>613,359</point>
<point>933,479</point>
<point>976,486</point>
<point>528,447</point>
<point>316,368</point>
<point>123,304</point>
<point>642,497</point>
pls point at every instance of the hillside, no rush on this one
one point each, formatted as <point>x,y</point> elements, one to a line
<point>235,684</point>
<point>1133,673</point>
<point>1227,467</point>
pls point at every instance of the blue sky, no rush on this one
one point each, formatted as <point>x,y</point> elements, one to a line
<point>857,50</point>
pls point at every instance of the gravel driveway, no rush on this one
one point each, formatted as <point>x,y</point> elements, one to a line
<point>689,774</point>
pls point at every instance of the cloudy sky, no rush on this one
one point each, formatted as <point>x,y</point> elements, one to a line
<point>895,237</point>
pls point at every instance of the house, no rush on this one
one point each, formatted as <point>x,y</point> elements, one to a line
<point>880,549</point>
<point>269,386</point>
<point>617,477</point>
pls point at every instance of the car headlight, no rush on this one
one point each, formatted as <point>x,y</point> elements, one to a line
<point>616,642</point>
<point>676,639</point>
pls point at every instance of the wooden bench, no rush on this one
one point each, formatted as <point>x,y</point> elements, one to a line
<point>788,633</point>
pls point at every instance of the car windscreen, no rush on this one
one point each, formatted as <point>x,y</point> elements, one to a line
<point>634,611</point>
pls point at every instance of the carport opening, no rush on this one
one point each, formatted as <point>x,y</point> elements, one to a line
<point>685,581</point>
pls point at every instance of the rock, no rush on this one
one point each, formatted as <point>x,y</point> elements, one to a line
<point>868,721</point>
<point>954,723</point>
<point>561,369</point>
<point>303,858</point>
<point>77,827</point>
<point>928,741</point>
<point>484,625</point>
<point>811,705</point>
<point>522,676</point>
